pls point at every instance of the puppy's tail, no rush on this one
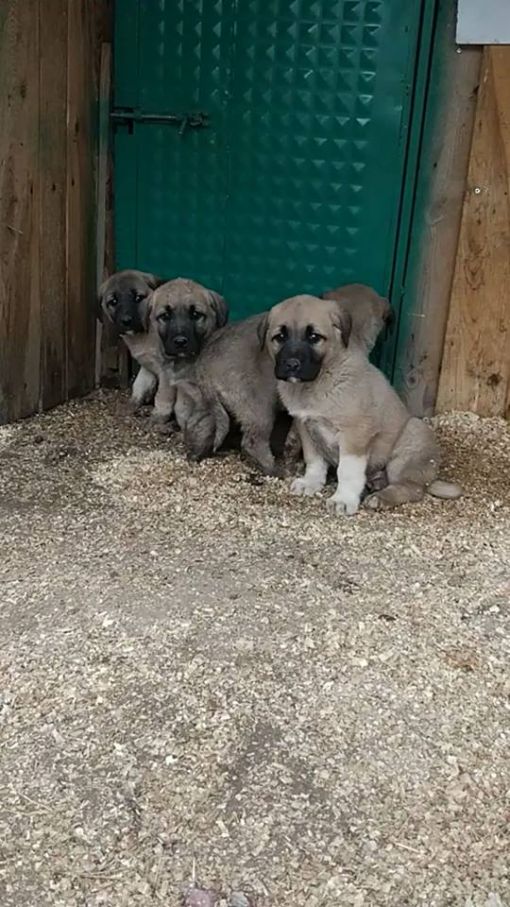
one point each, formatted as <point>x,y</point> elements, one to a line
<point>448,491</point>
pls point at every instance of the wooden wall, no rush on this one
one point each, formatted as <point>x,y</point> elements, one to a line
<point>49,59</point>
<point>475,372</point>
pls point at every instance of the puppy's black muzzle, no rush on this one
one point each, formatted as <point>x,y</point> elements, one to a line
<point>297,362</point>
<point>181,342</point>
<point>127,320</point>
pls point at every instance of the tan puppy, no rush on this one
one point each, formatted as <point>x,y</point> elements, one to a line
<point>124,300</point>
<point>233,380</point>
<point>183,315</point>
<point>348,414</point>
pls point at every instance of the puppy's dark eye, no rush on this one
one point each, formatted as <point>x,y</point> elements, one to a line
<point>196,315</point>
<point>314,336</point>
<point>164,316</point>
<point>112,301</point>
<point>139,297</point>
<point>281,336</point>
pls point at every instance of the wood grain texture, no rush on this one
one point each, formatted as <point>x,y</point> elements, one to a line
<point>475,372</point>
<point>81,198</point>
<point>19,199</point>
<point>52,213</point>
<point>447,144</point>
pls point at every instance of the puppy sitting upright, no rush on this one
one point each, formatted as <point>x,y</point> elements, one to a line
<point>233,382</point>
<point>183,314</point>
<point>348,414</point>
<point>124,301</point>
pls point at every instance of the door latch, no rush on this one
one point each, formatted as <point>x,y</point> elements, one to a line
<point>128,116</point>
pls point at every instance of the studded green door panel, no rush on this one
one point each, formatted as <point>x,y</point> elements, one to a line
<point>295,183</point>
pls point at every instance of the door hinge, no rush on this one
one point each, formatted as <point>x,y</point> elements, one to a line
<point>129,116</point>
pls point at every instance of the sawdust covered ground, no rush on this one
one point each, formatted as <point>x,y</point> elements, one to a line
<point>201,673</point>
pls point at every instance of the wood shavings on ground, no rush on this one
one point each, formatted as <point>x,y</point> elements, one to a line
<point>205,677</point>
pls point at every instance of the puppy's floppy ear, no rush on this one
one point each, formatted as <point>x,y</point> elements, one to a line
<point>99,307</point>
<point>388,316</point>
<point>148,309</point>
<point>219,307</point>
<point>152,280</point>
<point>262,329</point>
<point>342,321</point>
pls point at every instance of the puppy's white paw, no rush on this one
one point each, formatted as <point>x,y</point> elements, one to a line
<point>343,503</point>
<point>304,486</point>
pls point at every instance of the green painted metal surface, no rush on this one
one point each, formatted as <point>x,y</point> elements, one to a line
<point>297,183</point>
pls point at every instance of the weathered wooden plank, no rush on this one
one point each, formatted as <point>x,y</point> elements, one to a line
<point>442,181</point>
<point>52,216</point>
<point>19,206</point>
<point>81,197</point>
<point>475,373</point>
<point>102,185</point>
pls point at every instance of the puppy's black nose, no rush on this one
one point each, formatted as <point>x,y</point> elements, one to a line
<point>292,366</point>
<point>180,341</point>
<point>126,321</point>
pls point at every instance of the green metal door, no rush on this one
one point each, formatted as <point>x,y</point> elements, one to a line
<point>296,182</point>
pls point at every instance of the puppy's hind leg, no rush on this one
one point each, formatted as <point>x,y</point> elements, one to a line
<point>256,445</point>
<point>395,494</point>
<point>280,432</point>
<point>412,467</point>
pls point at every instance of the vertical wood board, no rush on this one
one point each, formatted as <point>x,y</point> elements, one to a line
<point>19,201</point>
<point>435,234</point>
<point>475,372</point>
<point>81,198</point>
<point>52,214</point>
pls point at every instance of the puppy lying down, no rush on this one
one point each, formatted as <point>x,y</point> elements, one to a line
<point>234,382</point>
<point>347,413</point>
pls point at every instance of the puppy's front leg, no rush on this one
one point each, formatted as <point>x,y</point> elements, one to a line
<point>164,402</point>
<point>352,471</point>
<point>143,388</point>
<point>316,468</point>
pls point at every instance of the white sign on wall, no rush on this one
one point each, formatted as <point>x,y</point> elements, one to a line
<point>483,22</point>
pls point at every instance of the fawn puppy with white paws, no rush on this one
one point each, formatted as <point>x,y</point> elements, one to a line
<point>348,415</point>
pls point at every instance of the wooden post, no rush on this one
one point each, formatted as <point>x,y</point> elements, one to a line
<point>20,316</point>
<point>475,372</point>
<point>52,209</point>
<point>102,181</point>
<point>444,166</point>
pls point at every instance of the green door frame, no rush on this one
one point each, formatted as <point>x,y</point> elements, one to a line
<point>408,210</point>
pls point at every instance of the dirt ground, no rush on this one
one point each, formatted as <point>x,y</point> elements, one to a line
<point>206,678</point>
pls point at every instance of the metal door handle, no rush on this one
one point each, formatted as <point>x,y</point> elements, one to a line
<point>127,117</point>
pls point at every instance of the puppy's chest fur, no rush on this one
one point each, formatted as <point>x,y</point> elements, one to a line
<point>300,400</point>
<point>174,370</point>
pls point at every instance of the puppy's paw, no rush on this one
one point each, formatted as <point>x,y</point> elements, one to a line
<point>343,503</point>
<point>134,405</point>
<point>276,472</point>
<point>373,502</point>
<point>162,426</point>
<point>304,486</point>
